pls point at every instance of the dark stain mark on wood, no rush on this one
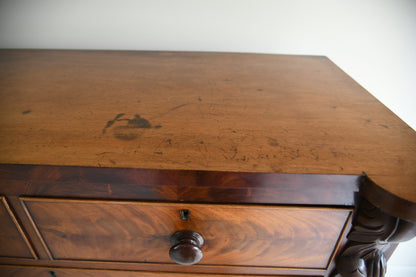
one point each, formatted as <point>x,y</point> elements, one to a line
<point>112,161</point>
<point>201,142</point>
<point>137,122</point>
<point>169,141</point>
<point>131,130</point>
<point>26,112</point>
<point>159,153</point>
<point>125,133</point>
<point>199,99</point>
<point>272,142</point>
<point>260,89</point>
<point>178,107</point>
<point>104,153</point>
<point>384,126</point>
<point>111,122</point>
<point>158,126</point>
<point>234,131</point>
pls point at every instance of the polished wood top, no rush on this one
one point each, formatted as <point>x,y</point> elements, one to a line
<point>199,111</point>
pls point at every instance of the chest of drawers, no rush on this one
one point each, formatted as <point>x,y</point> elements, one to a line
<point>197,164</point>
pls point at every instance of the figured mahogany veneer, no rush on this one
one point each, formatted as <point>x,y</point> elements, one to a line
<point>234,235</point>
<point>236,191</point>
<point>180,185</point>
<point>270,154</point>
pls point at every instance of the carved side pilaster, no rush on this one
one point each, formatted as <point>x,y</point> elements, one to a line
<point>373,231</point>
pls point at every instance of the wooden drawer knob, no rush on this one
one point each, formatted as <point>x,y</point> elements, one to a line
<point>186,247</point>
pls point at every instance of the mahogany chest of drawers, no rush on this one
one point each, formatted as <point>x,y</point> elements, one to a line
<point>124,163</point>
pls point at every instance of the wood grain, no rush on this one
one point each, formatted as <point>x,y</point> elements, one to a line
<point>388,202</point>
<point>30,232</point>
<point>199,111</point>
<point>179,185</point>
<point>197,268</point>
<point>8,271</point>
<point>128,231</point>
<point>13,241</point>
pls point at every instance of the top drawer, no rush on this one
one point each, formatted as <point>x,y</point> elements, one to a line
<point>127,231</point>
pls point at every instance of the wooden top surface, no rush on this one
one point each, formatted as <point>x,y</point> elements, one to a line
<point>199,111</point>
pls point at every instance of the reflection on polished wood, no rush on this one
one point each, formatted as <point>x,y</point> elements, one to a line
<point>234,235</point>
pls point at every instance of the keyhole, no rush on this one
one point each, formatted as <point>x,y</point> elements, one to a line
<point>185,214</point>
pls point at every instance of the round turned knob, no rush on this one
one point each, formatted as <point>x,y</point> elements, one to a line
<point>186,247</point>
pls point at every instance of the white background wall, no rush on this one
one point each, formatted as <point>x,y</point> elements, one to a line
<point>373,41</point>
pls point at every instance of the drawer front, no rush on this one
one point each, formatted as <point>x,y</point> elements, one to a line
<point>238,235</point>
<point>13,242</point>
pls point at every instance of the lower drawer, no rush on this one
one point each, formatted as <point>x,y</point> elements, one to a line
<point>139,232</point>
<point>10,271</point>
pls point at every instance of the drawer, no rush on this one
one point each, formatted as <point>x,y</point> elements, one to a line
<point>234,235</point>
